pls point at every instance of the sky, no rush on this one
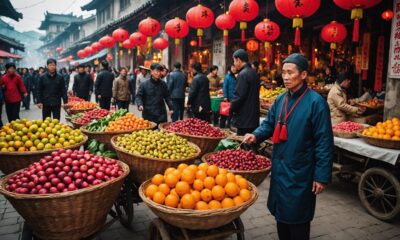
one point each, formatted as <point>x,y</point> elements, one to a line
<point>33,11</point>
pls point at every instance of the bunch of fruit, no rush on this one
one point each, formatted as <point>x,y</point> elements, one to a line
<point>88,117</point>
<point>97,148</point>
<point>372,103</point>
<point>200,187</point>
<point>348,126</point>
<point>64,171</point>
<point>75,99</point>
<point>195,127</point>
<point>238,159</point>
<point>101,124</point>
<point>156,144</point>
<point>389,129</point>
<point>81,105</point>
<point>23,135</point>
<point>271,93</point>
<point>126,123</point>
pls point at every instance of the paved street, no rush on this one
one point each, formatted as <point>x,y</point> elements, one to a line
<point>339,215</point>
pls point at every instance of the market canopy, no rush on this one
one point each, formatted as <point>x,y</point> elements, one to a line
<point>4,54</point>
<point>88,59</point>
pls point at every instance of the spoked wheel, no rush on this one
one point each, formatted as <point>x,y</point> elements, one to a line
<point>124,203</point>
<point>379,192</point>
<point>346,176</point>
<point>158,230</point>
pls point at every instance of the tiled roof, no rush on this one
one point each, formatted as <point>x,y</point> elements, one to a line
<point>59,18</point>
<point>7,10</point>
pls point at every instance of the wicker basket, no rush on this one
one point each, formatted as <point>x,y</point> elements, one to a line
<point>379,142</point>
<point>196,219</point>
<point>70,215</point>
<point>206,144</point>
<point>75,111</point>
<point>256,177</point>
<point>78,125</point>
<point>144,168</point>
<point>13,161</point>
<point>343,134</point>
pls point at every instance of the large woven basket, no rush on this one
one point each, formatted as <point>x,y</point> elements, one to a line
<point>78,125</point>
<point>379,142</point>
<point>256,176</point>
<point>75,111</point>
<point>343,134</point>
<point>70,215</point>
<point>197,219</point>
<point>13,161</point>
<point>144,168</point>
<point>206,144</point>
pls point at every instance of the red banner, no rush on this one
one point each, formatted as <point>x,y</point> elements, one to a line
<point>365,51</point>
<point>380,51</point>
<point>358,60</point>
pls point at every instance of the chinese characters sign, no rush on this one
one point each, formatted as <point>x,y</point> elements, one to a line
<point>394,59</point>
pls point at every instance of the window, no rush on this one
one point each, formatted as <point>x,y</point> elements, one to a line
<point>105,15</point>
<point>123,4</point>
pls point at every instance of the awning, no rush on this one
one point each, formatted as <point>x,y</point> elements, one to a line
<point>4,54</point>
<point>63,60</point>
<point>88,59</point>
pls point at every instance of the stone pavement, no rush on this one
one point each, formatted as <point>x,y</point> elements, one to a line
<point>339,215</point>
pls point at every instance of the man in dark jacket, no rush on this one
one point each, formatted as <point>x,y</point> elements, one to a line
<point>104,85</point>
<point>51,89</point>
<point>34,81</point>
<point>177,84</point>
<point>199,96</point>
<point>246,103</point>
<point>26,78</point>
<point>132,84</point>
<point>83,84</point>
<point>153,95</point>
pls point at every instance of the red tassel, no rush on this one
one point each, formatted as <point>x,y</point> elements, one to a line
<point>200,42</point>
<point>297,37</point>
<point>226,40</point>
<point>176,50</point>
<point>283,134</point>
<point>356,30</point>
<point>243,35</point>
<point>332,57</point>
<point>277,132</point>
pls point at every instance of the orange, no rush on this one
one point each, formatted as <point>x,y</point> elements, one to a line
<point>206,195</point>
<point>242,183</point>
<point>182,188</point>
<point>238,176</point>
<point>214,204</point>
<point>227,203</point>
<point>169,170</point>
<point>193,167</point>
<point>171,180</point>
<point>188,201</point>
<point>157,179</point>
<point>201,174</point>
<point>151,190</point>
<point>164,188</point>
<point>203,166</point>
<point>200,205</point>
<point>221,180</point>
<point>212,171</point>
<point>188,176</point>
<point>395,138</point>
<point>389,132</point>
<point>196,195</point>
<point>231,189</point>
<point>209,182</point>
<point>177,173</point>
<point>231,177</point>
<point>245,194</point>
<point>218,193</point>
<point>238,200</point>
<point>387,136</point>
<point>171,201</point>
<point>198,185</point>
<point>159,197</point>
<point>182,166</point>
<point>223,171</point>
<point>173,192</point>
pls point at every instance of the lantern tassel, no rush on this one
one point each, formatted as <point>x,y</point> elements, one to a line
<point>332,57</point>
<point>297,37</point>
<point>200,33</point>
<point>243,26</point>
<point>356,30</point>
<point>243,35</point>
<point>283,133</point>
<point>200,42</point>
<point>177,42</point>
<point>277,132</point>
<point>226,32</point>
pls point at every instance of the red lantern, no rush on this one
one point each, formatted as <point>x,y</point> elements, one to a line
<point>193,43</point>
<point>81,54</point>
<point>149,27</point>
<point>252,45</point>
<point>96,47</point>
<point>138,39</point>
<point>267,31</point>
<point>88,50</point>
<point>297,10</point>
<point>356,7</point>
<point>120,35</point>
<point>200,17</point>
<point>59,49</point>
<point>128,45</point>
<point>70,58</point>
<point>109,56</point>
<point>177,28</point>
<point>107,41</point>
<point>160,43</point>
<point>225,22</point>
<point>244,11</point>
<point>333,33</point>
<point>387,15</point>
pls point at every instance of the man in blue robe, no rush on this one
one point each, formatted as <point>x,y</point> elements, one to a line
<point>300,126</point>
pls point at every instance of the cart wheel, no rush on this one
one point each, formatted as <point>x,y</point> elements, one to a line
<point>158,230</point>
<point>379,192</point>
<point>345,176</point>
<point>124,204</point>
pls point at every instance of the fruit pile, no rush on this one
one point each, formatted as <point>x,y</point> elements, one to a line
<point>347,127</point>
<point>271,93</point>
<point>88,117</point>
<point>64,171</point>
<point>126,123</point>
<point>75,99</point>
<point>81,105</point>
<point>389,129</point>
<point>238,159</point>
<point>23,135</point>
<point>156,144</point>
<point>200,187</point>
<point>101,124</point>
<point>195,127</point>
<point>372,103</point>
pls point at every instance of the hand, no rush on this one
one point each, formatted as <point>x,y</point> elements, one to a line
<point>225,99</point>
<point>249,138</point>
<point>113,100</point>
<point>90,93</point>
<point>99,96</point>
<point>140,108</point>
<point>170,112</point>
<point>352,102</point>
<point>70,93</point>
<point>318,188</point>
<point>361,110</point>
<point>39,105</point>
<point>25,94</point>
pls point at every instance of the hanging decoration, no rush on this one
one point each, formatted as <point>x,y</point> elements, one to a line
<point>96,46</point>
<point>109,57</point>
<point>200,17</point>
<point>267,31</point>
<point>380,55</point>
<point>88,50</point>
<point>225,22</point>
<point>333,33</point>
<point>138,39</point>
<point>128,45</point>
<point>387,15</point>
<point>160,43</point>
<point>193,43</point>
<point>81,54</point>
<point>107,42</point>
<point>59,50</point>
<point>297,10</point>
<point>252,45</point>
<point>356,7</point>
<point>177,28</point>
<point>150,27</point>
<point>120,35</point>
<point>244,11</point>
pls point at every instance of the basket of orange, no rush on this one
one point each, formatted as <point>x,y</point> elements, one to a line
<point>384,134</point>
<point>79,106</point>
<point>198,197</point>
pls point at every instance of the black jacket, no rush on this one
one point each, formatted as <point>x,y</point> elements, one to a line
<point>199,95</point>
<point>246,103</point>
<point>132,85</point>
<point>177,83</point>
<point>51,89</point>
<point>83,84</point>
<point>104,84</point>
<point>153,95</point>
